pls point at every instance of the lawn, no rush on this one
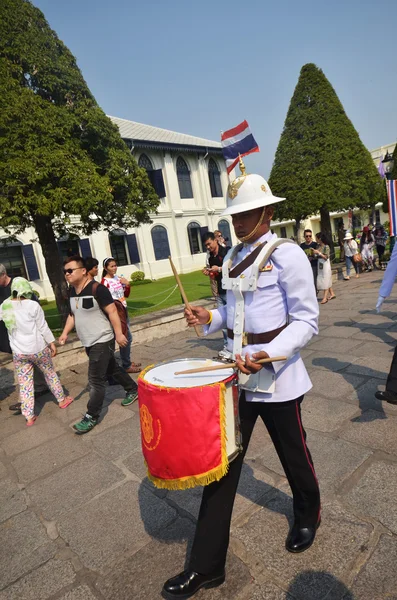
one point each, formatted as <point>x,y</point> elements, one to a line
<point>151,297</point>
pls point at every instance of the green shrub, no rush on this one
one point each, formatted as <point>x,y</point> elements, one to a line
<point>137,276</point>
<point>141,282</point>
<point>43,301</point>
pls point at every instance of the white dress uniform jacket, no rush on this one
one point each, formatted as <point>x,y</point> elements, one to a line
<point>390,275</point>
<point>285,294</point>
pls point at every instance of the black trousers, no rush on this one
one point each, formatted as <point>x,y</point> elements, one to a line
<point>284,424</point>
<point>391,383</point>
<point>314,266</point>
<point>102,364</point>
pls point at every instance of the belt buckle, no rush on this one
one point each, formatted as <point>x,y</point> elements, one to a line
<point>244,339</point>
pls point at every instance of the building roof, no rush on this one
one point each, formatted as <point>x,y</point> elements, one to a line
<point>147,136</point>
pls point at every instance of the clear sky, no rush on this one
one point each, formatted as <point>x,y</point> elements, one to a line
<point>202,67</point>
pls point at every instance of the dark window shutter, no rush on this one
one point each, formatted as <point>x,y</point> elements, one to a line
<point>85,248</point>
<point>30,262</point>
<point>133,249</point>
<point>158,183</point>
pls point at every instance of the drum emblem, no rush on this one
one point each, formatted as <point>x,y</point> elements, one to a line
<point>146,423</point>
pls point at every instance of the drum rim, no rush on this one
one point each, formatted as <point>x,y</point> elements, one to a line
<point>179,360</point>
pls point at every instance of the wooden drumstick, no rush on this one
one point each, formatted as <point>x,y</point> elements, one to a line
<point>184,297</point>
<point>232,365</point>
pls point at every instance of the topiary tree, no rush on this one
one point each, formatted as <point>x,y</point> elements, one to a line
<point>321,165</point>
<point>63,165</point>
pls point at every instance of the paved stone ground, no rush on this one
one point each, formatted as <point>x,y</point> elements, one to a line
<point>80,521</point>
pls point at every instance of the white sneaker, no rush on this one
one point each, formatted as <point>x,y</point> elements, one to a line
<point>225,354</point>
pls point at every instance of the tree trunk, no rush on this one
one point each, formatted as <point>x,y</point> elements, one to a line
<point>53,262</point>
<point>297,227</point>
<point>326,228</point>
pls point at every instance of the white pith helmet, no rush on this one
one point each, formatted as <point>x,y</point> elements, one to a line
<point>247,192</point>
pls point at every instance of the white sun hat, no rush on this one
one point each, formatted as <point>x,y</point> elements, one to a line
<point>348,236</point>
<point>247,192</point>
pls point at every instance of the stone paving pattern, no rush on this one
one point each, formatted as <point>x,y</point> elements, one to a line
<point>79,520</point>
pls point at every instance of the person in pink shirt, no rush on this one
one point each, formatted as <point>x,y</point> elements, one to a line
<point>120,290</point>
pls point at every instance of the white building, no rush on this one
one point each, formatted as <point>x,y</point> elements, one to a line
<point>189,175</point>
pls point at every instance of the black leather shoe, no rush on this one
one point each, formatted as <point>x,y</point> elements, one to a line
<point>300,539</point>
<point>187,583</point>
<point>386,397</point>
<point>16,408</point>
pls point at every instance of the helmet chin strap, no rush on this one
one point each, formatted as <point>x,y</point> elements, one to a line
<point>245,238</point>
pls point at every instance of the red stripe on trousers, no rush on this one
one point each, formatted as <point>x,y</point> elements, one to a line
<point>306,453</point>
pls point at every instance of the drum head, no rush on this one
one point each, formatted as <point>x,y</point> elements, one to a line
<point>164,373</point>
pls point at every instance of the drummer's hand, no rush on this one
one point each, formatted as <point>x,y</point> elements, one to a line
<point>249,366</point>
<point>196,315</point>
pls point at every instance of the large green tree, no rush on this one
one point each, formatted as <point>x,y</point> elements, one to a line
<point>321,165</point>
<point>63,165</point>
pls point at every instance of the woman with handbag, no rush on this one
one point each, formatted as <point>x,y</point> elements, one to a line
<point>352,256</point>
<point>324,276</point>
<point>120,290</point>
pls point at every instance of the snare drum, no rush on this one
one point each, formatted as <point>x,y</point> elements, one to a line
<point>189,423</point>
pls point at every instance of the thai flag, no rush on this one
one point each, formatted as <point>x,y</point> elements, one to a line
<point>392,197</point>
<point>238,140</point>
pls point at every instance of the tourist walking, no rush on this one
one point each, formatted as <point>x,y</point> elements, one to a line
<point>380,236</point>
<point>120,290</point>
<point>351,251</point>
<point>40,386</point>
<point>324,276</point>
<point>217,253</point>
<point>92,266</point>
<point>367,243</point>
<point>32,345</point>
<point>308,246</point>
<point>94,316</point>
<point>341,238</point>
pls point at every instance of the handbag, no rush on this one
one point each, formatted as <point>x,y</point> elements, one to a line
<point>357,258</point>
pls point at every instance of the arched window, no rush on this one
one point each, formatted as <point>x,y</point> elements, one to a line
<point>194,234</point>
<point>183,173</point>
<point>145,162</point>
<point>224,228</point>
<point>11,256</point>
<point>160,242</point>
<point>215,179</point>
<point>155,176</point>
<point>68,245</point>
<point>117,240</point>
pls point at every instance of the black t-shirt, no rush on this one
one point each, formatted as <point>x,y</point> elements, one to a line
<point>306,248</point>
<point>218,262</point>
<point>102,294</point>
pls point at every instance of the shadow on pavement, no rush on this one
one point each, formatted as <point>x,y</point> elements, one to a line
<point>188,503</point>
<point>325,582</point>
<point>335,365</point>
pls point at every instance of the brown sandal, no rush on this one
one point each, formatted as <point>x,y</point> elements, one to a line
<point>133,369</point>
<point>323,302</point>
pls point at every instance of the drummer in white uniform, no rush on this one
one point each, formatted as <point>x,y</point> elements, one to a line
<point>278,318</point>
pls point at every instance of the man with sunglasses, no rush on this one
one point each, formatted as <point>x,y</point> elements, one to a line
<point>94,316</point>
<point>308,246</point>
